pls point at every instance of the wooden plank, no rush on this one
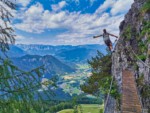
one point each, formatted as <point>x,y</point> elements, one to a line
<point>130,98</point>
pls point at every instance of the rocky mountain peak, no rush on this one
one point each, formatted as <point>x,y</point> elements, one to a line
<point>133,50</point>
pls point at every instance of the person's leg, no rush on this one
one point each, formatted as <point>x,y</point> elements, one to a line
<point>110,47</point>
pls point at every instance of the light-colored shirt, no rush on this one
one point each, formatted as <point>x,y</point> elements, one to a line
<point>106,36</point>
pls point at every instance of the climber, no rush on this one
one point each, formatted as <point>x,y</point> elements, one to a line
<point>106,38</point>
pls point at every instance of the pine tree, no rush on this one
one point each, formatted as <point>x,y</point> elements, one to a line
<point>99,82</point>
<point>19,90</point>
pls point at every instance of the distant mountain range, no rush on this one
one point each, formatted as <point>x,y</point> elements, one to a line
<point>42,50</point>
<point>15,51</point>
<point>52,65</point>
<point>57,60</point>
<point>77,55</point>
<point>67,53</point>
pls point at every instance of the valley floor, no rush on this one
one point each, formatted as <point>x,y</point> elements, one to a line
<point>86,108</point>
<point>70,83</point>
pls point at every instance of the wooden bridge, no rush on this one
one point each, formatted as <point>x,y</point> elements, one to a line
<point>130,99</point>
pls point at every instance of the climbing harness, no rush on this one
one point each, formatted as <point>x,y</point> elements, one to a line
<point>108,94</point>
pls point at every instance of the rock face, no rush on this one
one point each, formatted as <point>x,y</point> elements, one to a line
<point>133,50</point>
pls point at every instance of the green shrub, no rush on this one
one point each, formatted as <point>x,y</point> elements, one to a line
<point>127,32</point>
<point>145,92</point>
<point>146,28</point>
<point>143,45</point>
<point>142,57</point>
<point>146,7</point>
<point>145,88</point>
<point>136,67</point>
<point>99,82</point>
<point>140,80</point>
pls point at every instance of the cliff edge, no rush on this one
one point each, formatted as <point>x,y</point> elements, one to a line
<point>133,52</point>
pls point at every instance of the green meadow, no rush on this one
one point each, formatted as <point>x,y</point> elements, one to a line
<point>86,108</point>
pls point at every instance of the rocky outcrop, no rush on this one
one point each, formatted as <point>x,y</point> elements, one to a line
<point>133,49</point>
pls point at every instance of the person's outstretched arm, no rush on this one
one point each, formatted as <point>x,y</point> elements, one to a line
<point>113,35</point>
<point>97,36</point>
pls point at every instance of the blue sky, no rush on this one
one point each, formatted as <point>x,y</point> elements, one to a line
<point>67,22</point>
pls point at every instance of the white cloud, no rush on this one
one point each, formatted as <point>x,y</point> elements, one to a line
<point>121,6</point>
<point>92,1</point>
<point>59,6</point>
<point>80,27</point>
<point>116,6</point>
<point>31,19</point>
<point>19,37</point>
<point>107,4</point>
<point>23,2</point>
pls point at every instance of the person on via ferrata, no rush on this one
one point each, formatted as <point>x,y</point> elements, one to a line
<point>106,38</point>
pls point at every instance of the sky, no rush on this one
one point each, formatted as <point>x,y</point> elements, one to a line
<point>67,22</point>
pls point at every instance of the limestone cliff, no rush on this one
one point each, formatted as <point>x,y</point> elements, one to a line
<point>133,51</point>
